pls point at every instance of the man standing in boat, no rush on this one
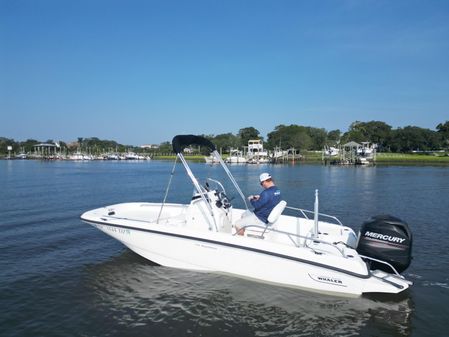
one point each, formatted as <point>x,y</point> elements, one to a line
<point>263,204</point>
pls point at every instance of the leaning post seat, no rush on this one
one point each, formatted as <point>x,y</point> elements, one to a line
<point>276,212</point>
<point>272,218</point>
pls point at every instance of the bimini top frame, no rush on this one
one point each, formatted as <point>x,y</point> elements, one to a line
<point>182,141</point>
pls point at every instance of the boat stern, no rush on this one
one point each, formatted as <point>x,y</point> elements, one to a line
<point>382,282</point>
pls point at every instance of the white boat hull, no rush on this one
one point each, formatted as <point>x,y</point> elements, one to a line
<point>172,243</point>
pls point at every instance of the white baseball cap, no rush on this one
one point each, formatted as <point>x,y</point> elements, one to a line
<point>264,176</point>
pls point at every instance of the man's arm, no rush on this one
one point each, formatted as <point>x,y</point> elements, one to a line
<point>261,201</point>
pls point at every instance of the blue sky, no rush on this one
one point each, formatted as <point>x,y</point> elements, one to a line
<point>142,71</point>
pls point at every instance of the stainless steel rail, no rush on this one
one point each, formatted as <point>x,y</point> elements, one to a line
<point>383,262</point>
<point>304,213</point>
<point>291,236</point>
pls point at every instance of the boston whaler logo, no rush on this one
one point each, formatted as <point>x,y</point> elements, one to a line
<point>384,237</point>
<point>327,279</point>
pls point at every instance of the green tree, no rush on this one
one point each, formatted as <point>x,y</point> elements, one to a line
<point>5,142</point>
<point>374,131</point>
<point>225,141</point>
<point>28,145</point>
<point>356,133</point>
<point>318,138</point>
<point>165,147</point>
<point>443,131</point>
<point>290,136</point>
<point>80,142</point>
<point>378,132</point>
<point>333,137</point>
<point>413,138</point>
<point>246,134</point>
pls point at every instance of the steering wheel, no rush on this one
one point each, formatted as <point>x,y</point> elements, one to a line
<point>223,200</point>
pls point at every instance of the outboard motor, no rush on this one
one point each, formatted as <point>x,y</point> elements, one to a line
<point>386,238</point>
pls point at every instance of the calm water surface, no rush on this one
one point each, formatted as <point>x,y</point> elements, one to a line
<point>61,277</point>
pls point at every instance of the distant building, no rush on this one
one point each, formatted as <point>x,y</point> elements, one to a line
<point>45,149</point>
<point>149,146</point>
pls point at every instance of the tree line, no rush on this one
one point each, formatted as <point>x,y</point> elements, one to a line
<point>306,138</point>
<point>303,138</point>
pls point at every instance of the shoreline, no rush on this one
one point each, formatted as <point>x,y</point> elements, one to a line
<point>310,158</point>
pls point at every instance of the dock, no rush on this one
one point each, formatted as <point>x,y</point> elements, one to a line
<point>351,153</point>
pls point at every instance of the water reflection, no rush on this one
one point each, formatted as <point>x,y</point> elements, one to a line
<point>140,295</point>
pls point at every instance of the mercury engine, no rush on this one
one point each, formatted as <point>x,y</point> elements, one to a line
<point>386,238</point>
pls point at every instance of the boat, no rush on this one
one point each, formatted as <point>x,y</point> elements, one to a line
<point>235,157</point>
<point>331,151</point>
<point>210,160</point>
<point>278,155</point>
<point>21,155</point>
<point>366,153</point>
<point>256,153</point>
<point>79,156</point>
<point>297,248</point>
<point>112,156</point>
<point>134,156</point>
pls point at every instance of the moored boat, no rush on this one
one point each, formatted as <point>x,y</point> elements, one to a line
<point>236,157</point>
<point>256,153</point>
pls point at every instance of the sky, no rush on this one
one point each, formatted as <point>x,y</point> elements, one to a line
<point>142,71</point>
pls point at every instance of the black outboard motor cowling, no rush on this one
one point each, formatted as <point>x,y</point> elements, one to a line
<point>386,238</point>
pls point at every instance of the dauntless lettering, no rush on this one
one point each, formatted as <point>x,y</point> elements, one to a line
<point>384,237</point>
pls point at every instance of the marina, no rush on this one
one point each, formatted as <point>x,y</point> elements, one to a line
<point>52,151</point>
<point>254,153</point>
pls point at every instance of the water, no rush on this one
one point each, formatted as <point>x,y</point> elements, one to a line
<point>61,277</point>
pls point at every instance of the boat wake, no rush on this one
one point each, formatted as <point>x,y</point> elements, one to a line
<point>443,285</point>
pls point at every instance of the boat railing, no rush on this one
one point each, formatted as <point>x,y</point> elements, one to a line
<point>383,262</point>
<point>304,213</point>
<point>292,236</point>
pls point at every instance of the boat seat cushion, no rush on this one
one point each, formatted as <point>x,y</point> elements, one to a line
<point>276,212</point>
